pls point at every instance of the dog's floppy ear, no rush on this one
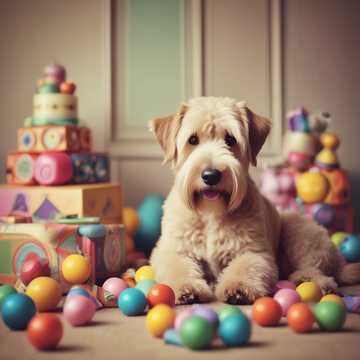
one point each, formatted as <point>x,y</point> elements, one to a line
<point>166,130</point>
<point>259,128</point>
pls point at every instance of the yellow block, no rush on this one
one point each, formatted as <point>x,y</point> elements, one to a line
<point>100,200</point>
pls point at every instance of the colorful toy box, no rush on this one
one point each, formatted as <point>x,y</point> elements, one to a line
<point>49,202</point>
<point>104,245</point>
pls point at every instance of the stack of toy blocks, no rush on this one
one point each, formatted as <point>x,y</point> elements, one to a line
<point>310,179</point>
<point>58,199</point>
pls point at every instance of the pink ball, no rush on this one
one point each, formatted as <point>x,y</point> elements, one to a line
<point>79,310</point>
<point>181,317</point>
<point>286,298</point>
<point>284,284</point>
<point>115,286</point>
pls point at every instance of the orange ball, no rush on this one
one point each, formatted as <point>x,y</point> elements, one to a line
<point>130,220</point>
<point>161,294</point>
<point>266,311</point>
<point>300,318</point>
<point>45,331</point>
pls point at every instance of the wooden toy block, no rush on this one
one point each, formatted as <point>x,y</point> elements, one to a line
<point>53,138</point>
<point>103,245</point>
<point>20,168</point>
<point>49,202</point>
<point>57,168</point>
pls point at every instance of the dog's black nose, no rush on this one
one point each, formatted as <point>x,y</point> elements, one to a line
<point>211,176</point>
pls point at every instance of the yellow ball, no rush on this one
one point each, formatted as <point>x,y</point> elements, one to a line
<point>145,273</point>
<point>309,291</point>
<point>333,298</point>
<point>130,220</point>
<point>76,269</point>
<point>312,187</point>
<point>338,237</point>
<point>160,318</point>
<point>45,292</point>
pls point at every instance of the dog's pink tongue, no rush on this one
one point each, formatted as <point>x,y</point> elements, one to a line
<point>211,194</point>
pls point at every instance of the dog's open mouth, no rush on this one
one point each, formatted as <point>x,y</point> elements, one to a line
<point>211,194</point>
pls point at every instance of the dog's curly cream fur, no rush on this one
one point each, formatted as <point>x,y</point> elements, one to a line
<point>226,241</point>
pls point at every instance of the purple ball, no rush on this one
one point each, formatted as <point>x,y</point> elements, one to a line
<point>352,303</point>
<point>286,298</point>
<point>208,314</point>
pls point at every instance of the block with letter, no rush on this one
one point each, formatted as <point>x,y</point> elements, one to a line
<point>103,245</point>
<point>49,202</point>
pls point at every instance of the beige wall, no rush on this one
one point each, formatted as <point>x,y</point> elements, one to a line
<point>35,33</point>
<point>321,71</point>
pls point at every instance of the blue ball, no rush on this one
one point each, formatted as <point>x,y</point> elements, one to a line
<point>150,213</point>
<point>350,248</point>
<point>235,330</point>
<point>17,310</point>
<point>132,302</point>
<point>145,285</point>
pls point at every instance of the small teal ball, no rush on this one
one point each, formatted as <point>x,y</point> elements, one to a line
<point>235,330</point>
<point>132,302</point>
<point>17,310</point>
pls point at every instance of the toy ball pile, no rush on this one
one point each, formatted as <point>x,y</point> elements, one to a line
<point>26,311</point>
<point>200,327</point>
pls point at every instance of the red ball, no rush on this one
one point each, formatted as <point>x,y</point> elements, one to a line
<point>45,331</point>
<point>32,268</point>
<point>67,87</point>
<point>300,318</point>
<point>266,311</point>
<point>161,294</point>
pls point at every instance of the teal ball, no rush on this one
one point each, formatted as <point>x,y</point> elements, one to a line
<point>17,310</point>
<point>330,316</point>
<point>48,88</point>
<point>350,248</point>
<point>5,291</point>
<point>196,333</point>
<point>235,330</point>
<point>145,285</point>
<point>132,302</point>
<point>150,213</point>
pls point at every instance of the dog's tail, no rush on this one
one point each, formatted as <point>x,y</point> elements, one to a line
<point>349,273</point>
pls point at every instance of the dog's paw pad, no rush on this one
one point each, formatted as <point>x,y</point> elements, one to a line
<point>238,297</point>
<point>186,295</point>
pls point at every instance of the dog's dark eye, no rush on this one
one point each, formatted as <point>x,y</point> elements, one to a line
<point>230,140</point>
<point>193,140</point>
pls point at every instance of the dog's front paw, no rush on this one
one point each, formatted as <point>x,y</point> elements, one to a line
<point>190,293</point>
<point>237,293</point>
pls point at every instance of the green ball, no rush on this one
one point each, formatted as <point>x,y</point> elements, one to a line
<point>145,285</point>
<point>338,237</point>
<point>48,88</point>
<point>228,310</point>
<point>330,316</point>
<point>196,333</point>
<point>5,291</point>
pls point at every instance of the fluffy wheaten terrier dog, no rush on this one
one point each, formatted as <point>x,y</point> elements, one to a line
<point>220,237</point>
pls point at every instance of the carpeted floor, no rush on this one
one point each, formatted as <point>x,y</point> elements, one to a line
<point>114,336</point>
